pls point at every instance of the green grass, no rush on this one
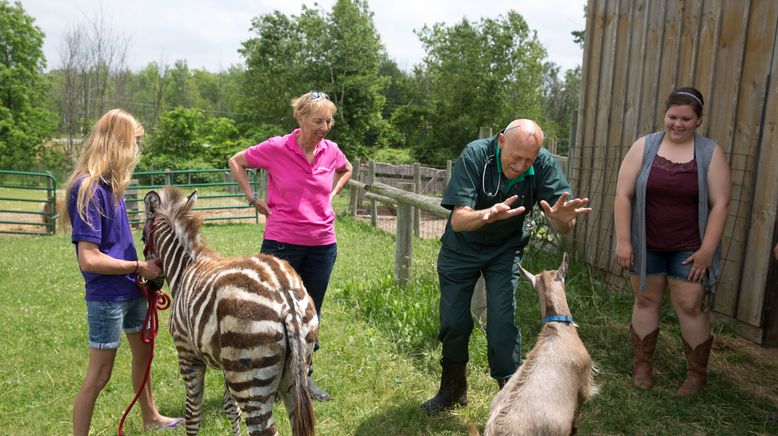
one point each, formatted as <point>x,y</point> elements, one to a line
<point>20,193</point>
<point>379,352</point>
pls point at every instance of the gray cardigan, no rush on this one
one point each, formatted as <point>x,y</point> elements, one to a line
<point>703,152</point>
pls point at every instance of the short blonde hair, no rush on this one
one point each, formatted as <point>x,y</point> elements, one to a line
<point>312,101</point>
<point>109,155</point>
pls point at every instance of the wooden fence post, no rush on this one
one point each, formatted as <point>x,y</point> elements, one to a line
<point>404,249</point>
<point>262,174</point>
<point>51,206</point>
<point>416,189</point>
<point>354,193</point>
<point>370,181</point>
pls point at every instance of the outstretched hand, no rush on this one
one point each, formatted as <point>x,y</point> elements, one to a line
<point>501,211</point>
<point>564,211</point>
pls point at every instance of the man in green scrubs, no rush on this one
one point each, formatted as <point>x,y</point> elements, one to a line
<point>494,185</point>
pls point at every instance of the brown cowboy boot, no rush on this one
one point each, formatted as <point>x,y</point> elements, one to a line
<point>697,367</point>
<point>643,358</point>
<point>453,388</point>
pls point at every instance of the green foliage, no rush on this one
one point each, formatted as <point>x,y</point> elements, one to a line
<point>24,121</point>
<point>480,74</point>
<point>560,100</point>
<point>191,139</point>
<point>177,133</point>
<point>393,156</point>
<point>338,52</point>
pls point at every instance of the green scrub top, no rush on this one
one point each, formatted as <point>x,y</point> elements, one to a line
<point>474,183</point>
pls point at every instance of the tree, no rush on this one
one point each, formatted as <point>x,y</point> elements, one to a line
<point>93,69</point>
<point>560,99</point>
<point>339,53</point>
<point>24,122</point>
<point>479,74</point>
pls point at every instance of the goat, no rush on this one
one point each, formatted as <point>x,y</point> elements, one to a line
<point>545,395</point>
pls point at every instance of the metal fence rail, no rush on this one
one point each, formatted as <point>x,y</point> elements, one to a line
<point>17,209</point>
<point>27,195</point>
<point>213,184</point>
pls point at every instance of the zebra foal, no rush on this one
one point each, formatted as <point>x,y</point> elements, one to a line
<point>248,316</point>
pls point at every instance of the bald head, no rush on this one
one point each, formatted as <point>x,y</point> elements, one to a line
<point>526,131</point>
<point>519,146</point>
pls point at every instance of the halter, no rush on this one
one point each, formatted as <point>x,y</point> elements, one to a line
<point>149,250</point>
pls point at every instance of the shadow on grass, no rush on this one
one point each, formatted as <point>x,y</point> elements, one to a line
<point>407,419</point>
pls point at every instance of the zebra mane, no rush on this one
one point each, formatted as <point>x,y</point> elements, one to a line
<point>176,210</point>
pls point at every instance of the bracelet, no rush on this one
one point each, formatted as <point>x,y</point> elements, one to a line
<point>136,267</point>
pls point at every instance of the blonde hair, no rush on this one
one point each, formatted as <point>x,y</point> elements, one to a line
<point>109,155</point>
<point>312,101</point>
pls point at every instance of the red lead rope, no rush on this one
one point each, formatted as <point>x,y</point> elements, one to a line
<point>157,300</point>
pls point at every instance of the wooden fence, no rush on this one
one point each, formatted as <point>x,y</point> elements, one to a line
<point>635,53</point>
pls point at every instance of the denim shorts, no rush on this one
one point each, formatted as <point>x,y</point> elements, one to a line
<point>107,319</point>
<point>668,263</point>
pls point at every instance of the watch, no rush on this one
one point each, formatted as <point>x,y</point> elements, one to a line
<point>253,200</point>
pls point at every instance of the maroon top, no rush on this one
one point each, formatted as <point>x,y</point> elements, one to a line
<point>671,206</point>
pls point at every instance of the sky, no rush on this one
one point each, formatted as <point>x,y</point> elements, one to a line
<point>208,33</point>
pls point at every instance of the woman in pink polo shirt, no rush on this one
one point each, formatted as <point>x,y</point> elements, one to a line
<point>305,172</point>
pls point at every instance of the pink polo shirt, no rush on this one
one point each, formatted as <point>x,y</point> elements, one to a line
<point>298,193</point>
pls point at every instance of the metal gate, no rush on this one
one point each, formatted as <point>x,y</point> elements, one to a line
<point>25,196</point>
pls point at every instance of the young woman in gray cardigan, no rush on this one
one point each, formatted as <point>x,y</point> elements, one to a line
<point>670,210</point>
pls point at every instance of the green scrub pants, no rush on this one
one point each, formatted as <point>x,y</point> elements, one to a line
<point>458,273</point>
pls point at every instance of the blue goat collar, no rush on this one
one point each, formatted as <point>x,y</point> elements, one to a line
<point>567,319</point>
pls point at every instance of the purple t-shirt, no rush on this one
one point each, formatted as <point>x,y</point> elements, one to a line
<point>110,230</point>
<point>298,192</point>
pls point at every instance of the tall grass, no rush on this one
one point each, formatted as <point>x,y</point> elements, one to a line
<point>379,350</point>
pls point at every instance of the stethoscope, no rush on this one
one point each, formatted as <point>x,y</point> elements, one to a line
<point>491,159</point>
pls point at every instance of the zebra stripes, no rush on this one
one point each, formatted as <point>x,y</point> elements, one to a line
<point>249,316</point>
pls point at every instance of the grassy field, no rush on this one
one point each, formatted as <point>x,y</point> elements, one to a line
<point>379,353</point>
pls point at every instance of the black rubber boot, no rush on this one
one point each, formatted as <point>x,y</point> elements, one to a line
<point>315,392</point>
<point>453,388</point>
<point>501,382</point>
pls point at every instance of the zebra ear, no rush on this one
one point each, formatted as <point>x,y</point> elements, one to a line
<point>190,201</point>
<point>151,203</point>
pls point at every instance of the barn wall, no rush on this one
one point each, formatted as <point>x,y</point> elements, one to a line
<point>635,53</point>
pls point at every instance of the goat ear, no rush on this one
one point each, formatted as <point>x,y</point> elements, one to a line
<point>190,201</point>
<point>151,203</point>
<point>528,275</point>
<point>562,271</point>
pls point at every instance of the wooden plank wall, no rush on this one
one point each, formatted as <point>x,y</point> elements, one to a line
<point>635,53</point>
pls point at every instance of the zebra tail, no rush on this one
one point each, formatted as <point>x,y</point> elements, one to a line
<point>303,419</point>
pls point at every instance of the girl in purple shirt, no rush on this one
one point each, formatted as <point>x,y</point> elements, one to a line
<point>108,261</point>
<point>305,171</point>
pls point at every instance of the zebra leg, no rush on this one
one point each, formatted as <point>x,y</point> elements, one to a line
<point>255,396</point>
<point>193,373</point>
<point>232,410</point>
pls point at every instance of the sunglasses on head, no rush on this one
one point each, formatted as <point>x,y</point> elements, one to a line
<point>315,95</point>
